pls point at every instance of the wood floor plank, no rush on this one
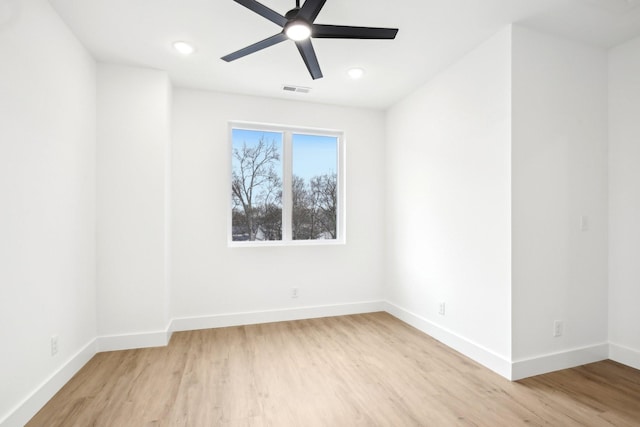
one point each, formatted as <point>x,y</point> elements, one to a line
<point>361,370</point>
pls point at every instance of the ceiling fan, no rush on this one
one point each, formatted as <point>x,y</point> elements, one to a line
<point>298,25</point>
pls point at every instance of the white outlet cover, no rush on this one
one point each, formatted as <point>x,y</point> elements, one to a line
<point>54,345</point>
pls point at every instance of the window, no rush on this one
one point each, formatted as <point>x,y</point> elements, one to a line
<point>286,185</point>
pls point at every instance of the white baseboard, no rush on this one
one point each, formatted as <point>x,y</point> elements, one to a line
<point>557,361</point>
<point>133,341</point>
<point>30,406</point>
<point>512,371</point>
<point>268,316</point>
<point>625,355</point>
<point>474,351</point>
<point>24,411</point>
<point>161,338</point>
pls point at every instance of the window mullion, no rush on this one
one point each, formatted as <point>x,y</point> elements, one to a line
<point>287,181</point>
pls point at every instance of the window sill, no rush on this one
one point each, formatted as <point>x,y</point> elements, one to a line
<point>289,243</point>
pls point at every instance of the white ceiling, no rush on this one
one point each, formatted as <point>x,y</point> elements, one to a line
<point>432,35</point>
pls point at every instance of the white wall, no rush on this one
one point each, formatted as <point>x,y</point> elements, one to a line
<point>624,202</point>
<point>133,134</point>
<point>210,278</point>
<point>559,173</point>
<point>448,201</point>
<point>47,204</point>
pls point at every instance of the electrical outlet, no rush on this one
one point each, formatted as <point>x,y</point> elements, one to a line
<point>558,327</point>
<point>441,309</point>
<point>294,292</point>
<point>584,223</point>
<point>54,345</point>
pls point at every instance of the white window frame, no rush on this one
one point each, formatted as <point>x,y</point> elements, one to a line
<point>287,174</point>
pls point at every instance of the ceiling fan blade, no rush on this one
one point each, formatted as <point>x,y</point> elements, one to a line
<point>310,9</point>
<point>309,57</point>
<point>264,11</point>
<point>345,32</point>
<point>280,37</point>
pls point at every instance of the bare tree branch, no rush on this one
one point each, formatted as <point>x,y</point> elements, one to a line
<point>256,186</point>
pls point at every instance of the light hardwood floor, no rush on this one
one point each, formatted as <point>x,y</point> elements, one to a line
<point>361,370</point>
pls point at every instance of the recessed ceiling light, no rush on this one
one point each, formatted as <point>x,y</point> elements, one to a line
<point>184,48</point>
<point>355,73</point>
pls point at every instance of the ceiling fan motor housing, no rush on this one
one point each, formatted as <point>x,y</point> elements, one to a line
<point>292,14</point>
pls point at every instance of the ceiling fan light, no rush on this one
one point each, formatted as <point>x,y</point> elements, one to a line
<point>298,30</point>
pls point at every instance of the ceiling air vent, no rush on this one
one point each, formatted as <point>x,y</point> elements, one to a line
<point>297,89</point>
